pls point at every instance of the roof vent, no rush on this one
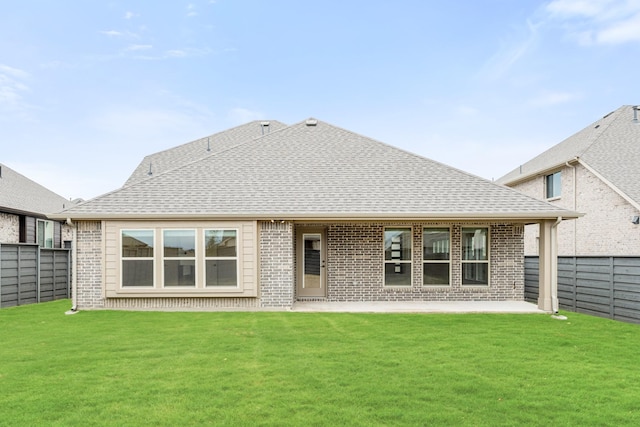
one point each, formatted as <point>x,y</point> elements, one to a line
<point>635,114</point>
<point>208,144</point>
<point>311,122</point>
<point>265,125</point>
<point>150,170</point>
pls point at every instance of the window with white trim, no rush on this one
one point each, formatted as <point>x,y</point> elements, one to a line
<point>397,257</point>
<point>179,257</point>
<point>45,233</point>
<point>475,256</point>
<point>436,256</point>
<point>553,184</point>
<point>137,258</point>
<point>221,258</point>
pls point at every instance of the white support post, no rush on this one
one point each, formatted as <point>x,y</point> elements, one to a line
<point>548,286</point>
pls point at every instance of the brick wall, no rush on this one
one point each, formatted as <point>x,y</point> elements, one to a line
<point>9,228</point>
<point>604,230</point>
<point>355,265</point>
<point>277,280</point>
<point>89,268</point>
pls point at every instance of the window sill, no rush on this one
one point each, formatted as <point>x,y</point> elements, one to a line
<point>180,293</point>
<point>553,199</point>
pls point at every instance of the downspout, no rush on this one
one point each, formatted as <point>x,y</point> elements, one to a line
<point>74,267</point>
<point>575,202</point>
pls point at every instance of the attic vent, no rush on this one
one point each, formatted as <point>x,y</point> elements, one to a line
<point>635,114</point>
<point>208,144</point>
<point>0,171</point>
<point>597,126</point>
<point>311,122</point>
<point>265,125</point>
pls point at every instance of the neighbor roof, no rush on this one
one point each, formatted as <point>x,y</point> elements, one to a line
<point>610,147</point>
<point>20,195</point>
<point>314,170</point>
<point>163,161</point>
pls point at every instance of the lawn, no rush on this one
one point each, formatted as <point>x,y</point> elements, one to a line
<point>181,369</point>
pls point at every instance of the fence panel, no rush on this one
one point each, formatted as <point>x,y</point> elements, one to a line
<point>29,274</point>
<point>600,286</point>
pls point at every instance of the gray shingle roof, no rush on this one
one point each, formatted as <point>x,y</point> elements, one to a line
<point>19,194</point>
<point>319,171</point>
<point>610,146</point>
<point>168,159</point>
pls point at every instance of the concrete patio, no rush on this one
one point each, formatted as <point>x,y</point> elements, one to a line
<point>419,307</point>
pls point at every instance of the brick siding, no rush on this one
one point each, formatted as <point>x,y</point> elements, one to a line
<point>89,269</point>
<point>605,229</point>
<point>277,280</point>
<point>355,265</point>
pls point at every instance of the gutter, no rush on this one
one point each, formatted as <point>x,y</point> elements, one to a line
<point>322,216</point>
<point>575,202</point>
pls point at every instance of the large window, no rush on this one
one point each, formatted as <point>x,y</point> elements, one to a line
<point>553,184</point>
<point>186,258</point>
<point>221,258</point>
<point>45,233</point>
<point>475,256</point>
<point>137,257</point>
<point>179,257</point>
<point>436,256</point>
<point>397,257</point>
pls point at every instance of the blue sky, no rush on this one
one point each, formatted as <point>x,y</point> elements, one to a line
<point>88,88</point>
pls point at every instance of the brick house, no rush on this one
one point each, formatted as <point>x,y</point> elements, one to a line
<point>24,209</point>
<point>594,172</point>
<point>265,214</point>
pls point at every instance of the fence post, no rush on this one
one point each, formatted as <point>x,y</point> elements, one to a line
<point>574,284</point>
<point>611,289</point>
<point>38,275</point>
<point>69,273</point>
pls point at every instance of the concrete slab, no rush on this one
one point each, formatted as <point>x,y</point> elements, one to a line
<point>419,307</point>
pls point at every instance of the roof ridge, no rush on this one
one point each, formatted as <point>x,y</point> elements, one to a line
<point>205,157</point>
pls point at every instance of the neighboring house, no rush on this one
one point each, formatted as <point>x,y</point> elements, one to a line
<point>257,218</point>
<point>596,172</point>
<point>24,212</point>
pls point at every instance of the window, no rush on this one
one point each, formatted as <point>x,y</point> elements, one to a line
<point>553,185</point>
<point>475,257</point>
<point>137,257</point>
<point>45,233</point>
<point>397,257</point>
<point>179,257</point>
<point>436,256</point>
<point>221,258</point>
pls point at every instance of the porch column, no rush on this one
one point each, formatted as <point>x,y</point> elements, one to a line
<point>548,250</point>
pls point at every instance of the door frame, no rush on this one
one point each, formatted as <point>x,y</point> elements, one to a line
<point>300,291</point>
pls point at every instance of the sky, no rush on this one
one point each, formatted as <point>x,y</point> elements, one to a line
<point>88,88</point>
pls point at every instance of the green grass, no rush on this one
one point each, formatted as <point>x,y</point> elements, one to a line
<point>180,369</point>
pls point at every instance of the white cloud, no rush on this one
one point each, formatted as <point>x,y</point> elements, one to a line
<point>511,53</point>
<point>597,22</point>
<point>191,10</point>
<point>12,90</point>
<point>116,33</point>
<point>129,15</point>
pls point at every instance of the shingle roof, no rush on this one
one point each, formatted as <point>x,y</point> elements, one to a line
<point>19,194</point>
<point>168,159</point>
<point>318,171</point>
<point>610,146</point>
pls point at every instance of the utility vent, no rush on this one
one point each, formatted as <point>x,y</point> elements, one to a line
<point>0,171</point>
<point>265,125</point>
<point>311,122</point>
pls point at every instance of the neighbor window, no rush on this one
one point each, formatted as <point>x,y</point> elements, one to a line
<point>137,257</point>
<point>553,185</point>
<point>475,256</point>
<point>397,257</point>
<point>221,258</point>
<point>45,233</point>
<point>436,256</point>
<point>179,259</point>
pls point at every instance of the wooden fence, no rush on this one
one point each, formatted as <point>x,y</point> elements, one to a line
<point>601,286</point>
<point>29,274</point>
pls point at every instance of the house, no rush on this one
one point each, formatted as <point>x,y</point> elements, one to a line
<point>595,172</point>
<point>24,209</point>
<point>263,215</point>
